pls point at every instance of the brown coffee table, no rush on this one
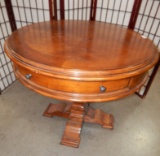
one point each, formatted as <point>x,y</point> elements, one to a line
<point>80,62</point>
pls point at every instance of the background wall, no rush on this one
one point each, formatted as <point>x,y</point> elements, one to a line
<point>30,11</point>
<point>110,11</point>
<point>115,11</point>
<point>148,22</point>
<point>6,72</point>
<point>76,9</point>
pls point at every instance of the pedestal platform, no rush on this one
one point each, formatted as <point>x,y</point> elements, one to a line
<point>77,113</point>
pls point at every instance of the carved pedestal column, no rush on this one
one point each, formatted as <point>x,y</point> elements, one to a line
<point>72,132</point>
<point>76,114</point>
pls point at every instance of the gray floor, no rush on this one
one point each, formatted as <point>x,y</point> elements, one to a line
<point>25,132</point>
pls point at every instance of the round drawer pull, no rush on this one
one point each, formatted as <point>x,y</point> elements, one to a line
<point>102,89</point>
<point>28,76</point>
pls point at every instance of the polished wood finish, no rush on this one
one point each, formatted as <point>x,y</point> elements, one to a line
<point>134,14</point>
<point>62,14</point>
<point>98,116</point>
<point>61,110</point>
<point>93,10</point>
<point>66,89</point>
<point>90,114</point>
<point>72,131</point>
<point>108,55</point>
<point>77,113</point>
<point>80,62</point>
<point>11,17</point>
<point>103,49</point>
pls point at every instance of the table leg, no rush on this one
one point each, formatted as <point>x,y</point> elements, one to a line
<point>72,132</point>
<point>76,114</point>
<point>97,116</point>
<point>61,110</point>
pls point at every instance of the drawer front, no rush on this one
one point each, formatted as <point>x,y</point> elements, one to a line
<point>74,86</point>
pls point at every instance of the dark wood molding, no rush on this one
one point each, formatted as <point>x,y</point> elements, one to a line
<point>62,15</point>
<point>55,9</point>
<point>134,15</point>
<point>10,14</point>
<point>51,9</point>
<point>93,10</point>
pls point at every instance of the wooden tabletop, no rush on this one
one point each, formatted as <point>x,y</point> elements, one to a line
<point>83,46</point>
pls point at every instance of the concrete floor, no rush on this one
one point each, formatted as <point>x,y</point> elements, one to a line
<point>25,132</point>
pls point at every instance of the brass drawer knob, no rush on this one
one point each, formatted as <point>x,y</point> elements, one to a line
<point>28,76</point>
<point>102,89</point>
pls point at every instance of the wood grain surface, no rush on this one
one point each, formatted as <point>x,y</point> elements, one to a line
<point>82,49</point>
<point>81,62</point>
<point>72,60</point>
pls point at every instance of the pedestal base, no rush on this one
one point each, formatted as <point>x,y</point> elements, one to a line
<point>77,113</point>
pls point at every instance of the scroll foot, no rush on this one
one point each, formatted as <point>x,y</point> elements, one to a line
<point>97,116</point>
<point>61,110</point>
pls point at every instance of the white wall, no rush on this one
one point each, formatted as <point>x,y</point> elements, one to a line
<point>30,11</point>
<point>116,12</point>
<point>76,9</point>
<point>148,22</point>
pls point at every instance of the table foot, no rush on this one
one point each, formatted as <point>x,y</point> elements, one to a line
<point>61,110</point>
<point>77,113</point>
<point>72,132</point>
<point>97,116</point>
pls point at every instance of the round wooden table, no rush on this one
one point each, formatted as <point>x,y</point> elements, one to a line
<point>80,62</point>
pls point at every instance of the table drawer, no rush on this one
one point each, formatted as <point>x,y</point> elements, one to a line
<point>73,86</point>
